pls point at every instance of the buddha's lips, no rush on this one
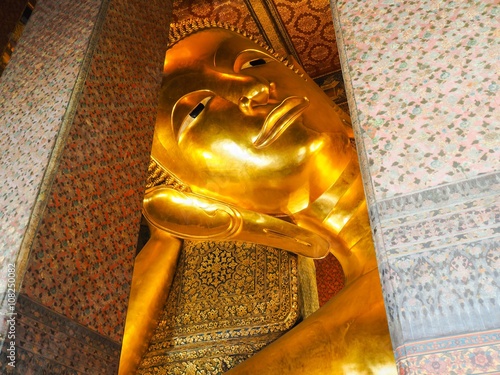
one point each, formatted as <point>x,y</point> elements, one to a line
<point>279,119</point>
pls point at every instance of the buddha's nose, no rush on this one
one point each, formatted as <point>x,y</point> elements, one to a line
<point>257,95</point>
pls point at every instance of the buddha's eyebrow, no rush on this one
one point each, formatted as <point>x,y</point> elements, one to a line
<point>228,50</point>
<point>222,55</point>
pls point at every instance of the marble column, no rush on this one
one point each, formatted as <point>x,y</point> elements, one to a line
<point>423,81</point>
<point>78,103</point>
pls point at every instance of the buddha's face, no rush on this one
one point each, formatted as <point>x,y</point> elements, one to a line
<point>236,124</point>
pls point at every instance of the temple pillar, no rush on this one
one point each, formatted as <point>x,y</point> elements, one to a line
<point>422,78</point>
<point>78,103</point>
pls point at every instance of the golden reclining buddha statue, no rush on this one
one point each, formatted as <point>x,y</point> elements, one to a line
<point>256,152</point>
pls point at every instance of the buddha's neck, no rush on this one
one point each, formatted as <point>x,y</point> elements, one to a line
<point>340,215</point>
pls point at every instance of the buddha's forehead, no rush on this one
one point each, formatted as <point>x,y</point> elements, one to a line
<point>205,49</point>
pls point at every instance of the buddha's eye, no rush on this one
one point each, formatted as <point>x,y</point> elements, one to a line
<point>255,62</point>
<point>251,59</point>
<point>197,110</point>
<point>192,116</point>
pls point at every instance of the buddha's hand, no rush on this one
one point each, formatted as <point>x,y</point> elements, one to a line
<point>196,217</point>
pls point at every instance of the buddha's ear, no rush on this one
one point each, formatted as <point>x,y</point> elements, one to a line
<point>196,217</point>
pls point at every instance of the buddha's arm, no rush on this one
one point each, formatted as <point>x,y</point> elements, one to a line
<point>153,274</point>
<point>196,217</point>
<point>346,336</point>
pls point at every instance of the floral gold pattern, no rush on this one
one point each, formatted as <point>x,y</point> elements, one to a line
<point>228,300</point>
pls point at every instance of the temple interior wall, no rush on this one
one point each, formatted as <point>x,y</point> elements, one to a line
<point>423,94</point>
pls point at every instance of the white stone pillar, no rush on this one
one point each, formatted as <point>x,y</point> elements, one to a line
<point>423,81</point>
